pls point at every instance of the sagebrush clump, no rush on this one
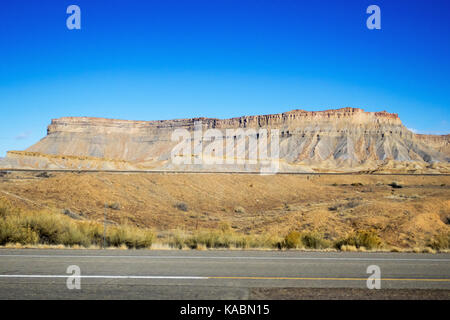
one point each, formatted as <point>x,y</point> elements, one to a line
<point>312,240</point>
<point>368,239</point>
<point>182,206</point>
<point>440,241</point>
<point>53,228</point>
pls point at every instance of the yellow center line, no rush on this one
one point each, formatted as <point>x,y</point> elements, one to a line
<point>333,279</point>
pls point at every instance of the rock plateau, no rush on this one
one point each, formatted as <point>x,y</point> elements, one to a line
<point>341,140</point>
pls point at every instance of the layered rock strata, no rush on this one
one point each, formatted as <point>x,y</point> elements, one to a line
<point>346,139</point>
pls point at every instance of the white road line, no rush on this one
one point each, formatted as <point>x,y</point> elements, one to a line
<point>226,258</point>
<point>46,276</point>
<point>100,276</point>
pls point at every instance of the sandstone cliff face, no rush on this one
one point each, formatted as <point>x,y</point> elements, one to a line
<point>440,143</point>
<point>335,140</point>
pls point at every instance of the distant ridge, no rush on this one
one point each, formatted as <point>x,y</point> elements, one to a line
<point>336,140</point>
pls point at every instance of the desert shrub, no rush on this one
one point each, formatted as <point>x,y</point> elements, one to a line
<point>395,185</point>
<point>224,227</point>
<point>348,248</point>
<point>315,240</point>
<point>357,184</point>
<point>361,238</point>
<point>93,231</point>
<point>352,204</point>
<point>292,240</point>
<point>3,211</point>
<point>71,214</point>
<point>209,240</point>
<point>142,238</point>
<point>48,227</point>
<point>243,242</point>
<point>53,228</point>
<point>239,209</point>
<point>132,237</point>
<point>73,236</point>
<point>176,240</point>
<point>43,174</point>
<point>349,205</point>
<point>12,232</point>
<point>114,206</point>
<point>440,241</point>
<point>181,206</point>
<point>428,250</point>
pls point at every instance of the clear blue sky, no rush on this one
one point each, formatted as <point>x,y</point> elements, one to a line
<point>147,60</point>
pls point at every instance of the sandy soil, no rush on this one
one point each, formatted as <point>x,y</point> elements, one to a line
<point>333,205</point>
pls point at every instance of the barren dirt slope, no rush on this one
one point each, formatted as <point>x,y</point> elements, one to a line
<point>332,205</point>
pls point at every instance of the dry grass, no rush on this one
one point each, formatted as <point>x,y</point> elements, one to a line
<point>348,248</point>
<point>51,228</point>
<point>302,240</point>
<point>273,206</point>
<point>440,242</point>
<point>367,239</point>
<point>221,239</point>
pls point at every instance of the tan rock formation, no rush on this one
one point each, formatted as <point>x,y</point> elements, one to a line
<point>346,139</point>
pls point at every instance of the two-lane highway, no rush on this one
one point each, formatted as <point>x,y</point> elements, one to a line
<point>172,274</point>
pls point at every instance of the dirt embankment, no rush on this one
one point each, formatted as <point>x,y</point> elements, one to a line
<point>405,215</point>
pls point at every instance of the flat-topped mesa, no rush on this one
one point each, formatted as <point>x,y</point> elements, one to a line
<point>294,118</point>
<point>340,139</point>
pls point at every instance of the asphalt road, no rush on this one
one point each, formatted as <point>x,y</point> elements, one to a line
<point>173,274</point>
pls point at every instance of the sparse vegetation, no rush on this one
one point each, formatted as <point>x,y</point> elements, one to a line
<point>348,205</point>
<point>239,209</point>
<point>71,214</point>
<point>273,207</point>
<point>292,240</point>
<point>348,248</point>
<point>114,206</point>
<point>52,228</point>
<point>182,206</point>
<point>43,174</point>
<point>220,239</point>
<point>315,240</point>
<point>312,240</point>
<point>43,228</point>
<point>395,185</point>
<point>440,241</point>
<point>447,220</point>
<point>368,239</point>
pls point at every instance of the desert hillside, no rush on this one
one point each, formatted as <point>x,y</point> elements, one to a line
<point>405,214</point>
<point>340,140</point>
